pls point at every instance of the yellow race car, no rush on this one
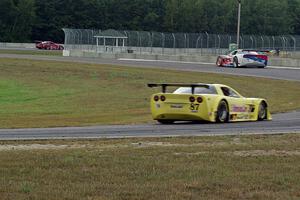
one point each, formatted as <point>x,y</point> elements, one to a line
<point>208,102</point>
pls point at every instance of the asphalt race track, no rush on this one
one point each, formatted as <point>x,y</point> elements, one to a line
<point>282,123</point>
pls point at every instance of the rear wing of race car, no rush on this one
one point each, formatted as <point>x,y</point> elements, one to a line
<point>165,85</point>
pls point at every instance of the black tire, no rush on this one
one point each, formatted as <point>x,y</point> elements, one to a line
<point>219,62</point>
<point>165,121</point>
<point>235,62</point>
<point>262,111</point>
<point>222,112</point>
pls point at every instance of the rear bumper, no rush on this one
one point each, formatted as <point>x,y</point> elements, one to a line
<point>179,117</point>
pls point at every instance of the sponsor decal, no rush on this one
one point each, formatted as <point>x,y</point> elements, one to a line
<point>176,106</point>
<point>236,108</point>
<point>233,116</point>
<point>242,116</point>
<point>157,105</point>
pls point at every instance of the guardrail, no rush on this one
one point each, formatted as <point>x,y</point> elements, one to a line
<point>17,45</point>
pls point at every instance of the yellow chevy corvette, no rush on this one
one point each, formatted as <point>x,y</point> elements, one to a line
<point>208,102</point>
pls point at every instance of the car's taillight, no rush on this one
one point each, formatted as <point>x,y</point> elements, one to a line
<point>192,99</point>
<point>199,99</point>
<point>156,98</point>
<point>162,98</point>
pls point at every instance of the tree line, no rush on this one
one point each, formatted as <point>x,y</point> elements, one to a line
<point>29,20</point>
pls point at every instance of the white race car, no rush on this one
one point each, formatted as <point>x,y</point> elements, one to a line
<point>243,58</point>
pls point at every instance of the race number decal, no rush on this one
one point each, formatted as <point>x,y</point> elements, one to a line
<point>194,107</point>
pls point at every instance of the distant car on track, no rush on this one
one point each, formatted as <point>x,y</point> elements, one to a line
<point>243,58</point>
<point>205,102</point>
<point>49,45</point>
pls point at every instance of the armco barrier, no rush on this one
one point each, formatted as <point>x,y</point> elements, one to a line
<point>187,55</point>
<point>17,45</point>
<point>274,61</point>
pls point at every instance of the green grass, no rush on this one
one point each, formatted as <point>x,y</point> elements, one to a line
<point>32,52</point>
<point>49,94</point>
<point>223,167</point>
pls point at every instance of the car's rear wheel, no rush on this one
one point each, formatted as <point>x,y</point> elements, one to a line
<point>165,121</point>
<point>219,62</point>
<point>235,62</point>
<point>262,111</point>
<point>222,112</point>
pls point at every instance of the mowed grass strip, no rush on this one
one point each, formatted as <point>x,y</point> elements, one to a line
<point>32,52</point>
<point>223,167</point>
<point>52,94</point>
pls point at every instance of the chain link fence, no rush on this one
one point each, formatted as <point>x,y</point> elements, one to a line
<point>176,43</point>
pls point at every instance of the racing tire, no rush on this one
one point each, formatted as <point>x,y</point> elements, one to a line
<point>222,112</point>
<point>262,111</point>
<point>219,62</point>
<point>235,62</point>
<point>165,121</point>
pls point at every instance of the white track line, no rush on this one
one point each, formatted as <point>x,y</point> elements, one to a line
<point>279,67</point>
<point>199,63</point>
<point>167,61</point>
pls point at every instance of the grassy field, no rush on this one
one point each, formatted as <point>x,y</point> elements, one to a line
<point>223,167</point>
<point>32,52</point>
<point>48,93</point>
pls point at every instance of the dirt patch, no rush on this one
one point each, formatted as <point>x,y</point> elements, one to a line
<point>39,147</point>
<point>266,153</point>
<point>167,144</point>
<point>251,153</point>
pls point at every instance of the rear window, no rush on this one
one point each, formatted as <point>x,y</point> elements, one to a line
<point>198,90</point>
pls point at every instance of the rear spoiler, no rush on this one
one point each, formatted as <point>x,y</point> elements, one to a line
<point>164,85</point>
<point>257,50</point>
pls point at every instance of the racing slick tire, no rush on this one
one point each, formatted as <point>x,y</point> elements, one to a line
<point>262,111</point>
<point>219,62</point>
<point>222,112</point>
<point>165,121</point>
<point>235,62</point>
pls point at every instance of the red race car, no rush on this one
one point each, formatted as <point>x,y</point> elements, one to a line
<point>49,45</point>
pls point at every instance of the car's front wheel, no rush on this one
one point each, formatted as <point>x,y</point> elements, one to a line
<point>222,112</point>
<point>165,121</point>
<point>262,111</point>
<point>235,62</point>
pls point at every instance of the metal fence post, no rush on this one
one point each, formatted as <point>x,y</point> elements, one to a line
<point>185,43</point>
<point>163,43</point>
<point>283,42</point>
<point>293,38</point>
<point>219,46</point>
<point>207,37</point>
<point>174,43</point>
<point>197,42</point>
<point>262,40</point>
<point>251,42</point>
<point>151,42</point>
<point>140,43</point>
